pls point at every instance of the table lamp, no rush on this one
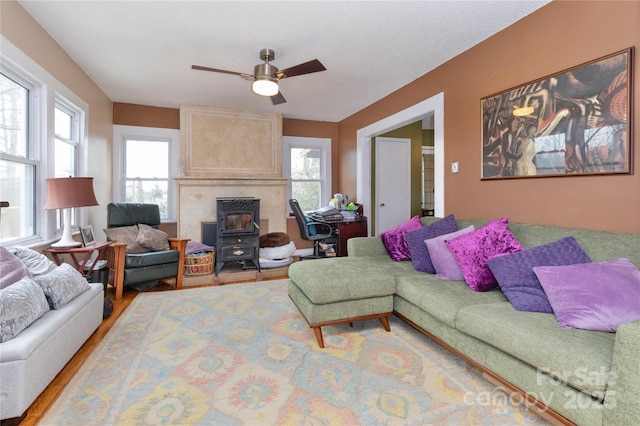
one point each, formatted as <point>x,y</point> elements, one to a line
<point>67,193</point>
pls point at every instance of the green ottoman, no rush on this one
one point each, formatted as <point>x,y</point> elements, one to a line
<point>340,290</point>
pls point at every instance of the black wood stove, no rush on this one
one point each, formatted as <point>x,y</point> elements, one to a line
<point>238,232</point>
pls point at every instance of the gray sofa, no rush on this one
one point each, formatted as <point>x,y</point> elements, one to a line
<point>572,375</point>
<point>33,358</point>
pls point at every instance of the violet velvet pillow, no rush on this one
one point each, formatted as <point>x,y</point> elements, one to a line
<point>518,282</point>
<point>593,296</point>
<point>473,250</point>
<point>443,261</point>
<point>394,242</point>
<point>416,242</point>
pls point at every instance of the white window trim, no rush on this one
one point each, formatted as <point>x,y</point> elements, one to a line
<point>324,145</point>
<point>45,89</point>
<point>121,134</point>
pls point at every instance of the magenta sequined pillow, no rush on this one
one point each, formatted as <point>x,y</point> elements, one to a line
<point>394,241</point>
<point>473,250</point>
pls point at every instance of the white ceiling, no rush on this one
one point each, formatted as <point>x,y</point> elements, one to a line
<point>141,52</point>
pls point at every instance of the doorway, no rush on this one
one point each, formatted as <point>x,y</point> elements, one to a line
<point>433,105</point>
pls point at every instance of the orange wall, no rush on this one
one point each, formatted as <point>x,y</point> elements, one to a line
<point>556,37</point>
<point>145,116</point>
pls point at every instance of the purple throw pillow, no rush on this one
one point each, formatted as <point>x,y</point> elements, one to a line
<point>593,296</point>
<point>11,267</point>
<point>518,282</point>
<point>416,242</point>
<point>473,250</point>
<point>394,242</point>
<point>443,261</point>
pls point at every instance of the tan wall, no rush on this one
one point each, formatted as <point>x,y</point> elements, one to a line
<point>556,37</point>
<point>26,34</point>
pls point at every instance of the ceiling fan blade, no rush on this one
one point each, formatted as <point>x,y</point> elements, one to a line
<point>306,68</point>
<point>241,74</point>
<point>278,99</point>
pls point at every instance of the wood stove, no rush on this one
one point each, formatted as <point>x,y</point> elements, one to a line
<point>238,233</point>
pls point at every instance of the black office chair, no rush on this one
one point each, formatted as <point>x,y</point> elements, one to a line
<point>310,230</point>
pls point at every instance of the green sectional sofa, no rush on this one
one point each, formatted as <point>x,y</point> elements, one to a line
<point>573,375</point>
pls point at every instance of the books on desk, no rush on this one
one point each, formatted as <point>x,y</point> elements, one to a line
<point>326,211</point>
<point>336,217</point>
<point>349,214</point>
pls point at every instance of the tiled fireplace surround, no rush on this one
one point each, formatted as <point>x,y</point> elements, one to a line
<point>229,153</point>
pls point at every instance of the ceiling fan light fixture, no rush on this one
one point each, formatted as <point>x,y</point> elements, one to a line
<point>264,87</point>
<point>265,82</point>
<point>265,77</point>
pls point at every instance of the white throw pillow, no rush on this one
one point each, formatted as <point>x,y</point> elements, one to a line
<point>36,263</point>
<point>21,304</point>
<point>62,285</point>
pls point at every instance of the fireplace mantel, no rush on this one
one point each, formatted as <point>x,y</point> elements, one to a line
<point>197,198</point>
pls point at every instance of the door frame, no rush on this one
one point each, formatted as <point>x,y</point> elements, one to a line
<point>409,115</point>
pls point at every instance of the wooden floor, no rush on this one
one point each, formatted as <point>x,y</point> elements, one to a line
<point>46,399</point>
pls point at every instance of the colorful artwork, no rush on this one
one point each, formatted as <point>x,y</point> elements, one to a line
<point>575,122</point>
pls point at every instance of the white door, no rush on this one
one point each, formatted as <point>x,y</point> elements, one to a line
<point>393,182</point>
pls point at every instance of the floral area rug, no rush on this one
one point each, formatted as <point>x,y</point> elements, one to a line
<point>243,355</point>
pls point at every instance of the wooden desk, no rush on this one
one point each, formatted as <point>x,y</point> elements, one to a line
<point>345,229</point>
<point>74,252</point>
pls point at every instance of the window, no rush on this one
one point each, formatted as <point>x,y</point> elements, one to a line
<point>42,135</point>
<point>307,162</point>
<point>147,173</point>
<point>66,140</point>
<point>18,159</point>
<point>66,146</point>
<point>146,159</point>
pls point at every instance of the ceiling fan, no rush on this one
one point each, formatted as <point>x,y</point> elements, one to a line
<point>265,76</point>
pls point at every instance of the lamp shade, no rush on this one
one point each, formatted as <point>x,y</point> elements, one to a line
<point>63,193</point>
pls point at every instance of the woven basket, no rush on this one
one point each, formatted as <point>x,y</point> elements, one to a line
<point>199,263</point>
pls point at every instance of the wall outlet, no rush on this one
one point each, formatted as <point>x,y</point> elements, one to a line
<point>454,167</point>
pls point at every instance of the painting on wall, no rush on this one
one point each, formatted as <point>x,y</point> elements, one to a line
<point>575,122</point>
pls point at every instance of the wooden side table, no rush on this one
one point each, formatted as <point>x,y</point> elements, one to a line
<point>80,255</point>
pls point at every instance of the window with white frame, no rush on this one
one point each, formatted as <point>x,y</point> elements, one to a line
<point>42,135</point>
<point>67,139</point>
<point>66,125</point>
<point>18,158</point>
<point>307,164</point>
<point>146,160</point>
